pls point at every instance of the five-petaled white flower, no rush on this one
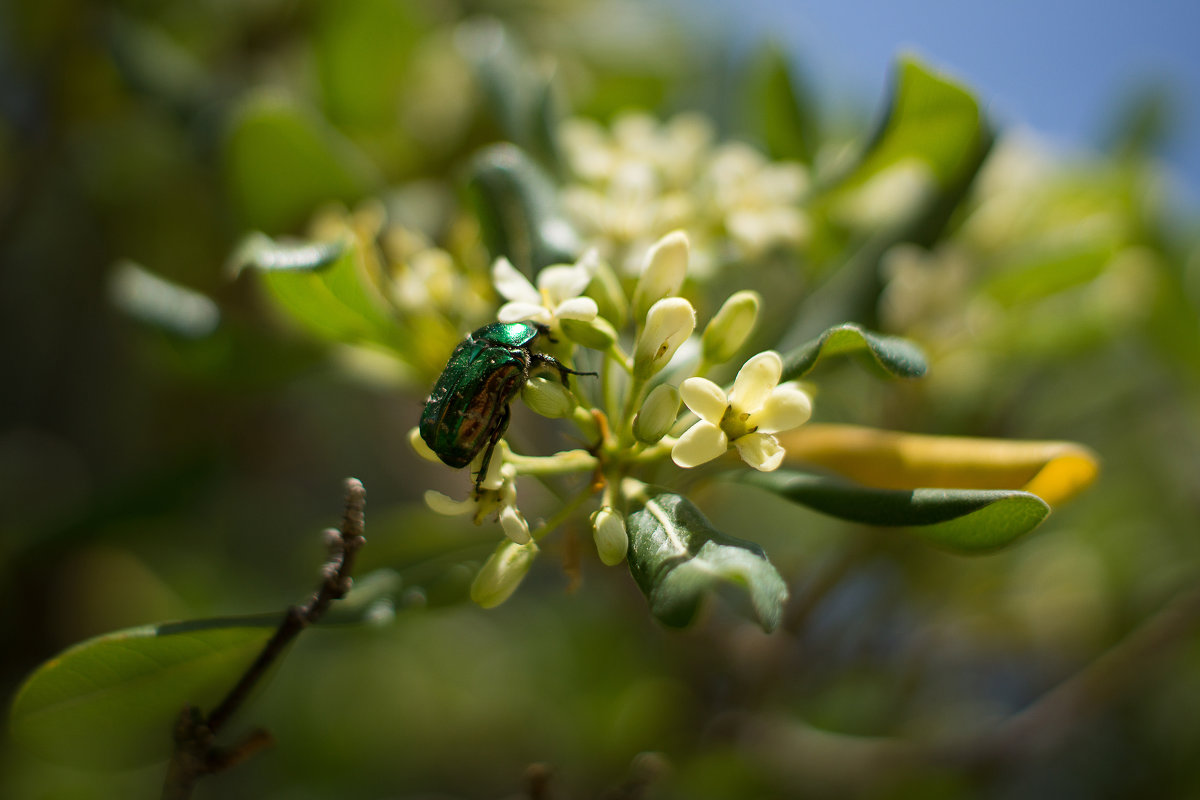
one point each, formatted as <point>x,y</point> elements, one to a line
<point>755,409</point>
<point>556,296</point>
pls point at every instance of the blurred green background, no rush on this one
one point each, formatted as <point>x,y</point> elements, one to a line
<point>150,474</point>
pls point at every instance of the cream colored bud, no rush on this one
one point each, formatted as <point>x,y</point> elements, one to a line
<point>729,328</point>
<point>419,447</point>
<point>657,414</point>
<point>609,295</point>
<point>514,525</point>
<point>612,540</point>
<point>663,274</point>
<point>595,334</point>
<point>502,573</point>
<point>668,325</point>
<point>548,397</point>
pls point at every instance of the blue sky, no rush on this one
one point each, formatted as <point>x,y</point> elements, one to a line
<point>1056,66</point>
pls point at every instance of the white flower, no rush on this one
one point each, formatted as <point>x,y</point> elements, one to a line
<point>498,493</point>
<point>757,200</point>
<point>755,409</point>
<point>556,296</point>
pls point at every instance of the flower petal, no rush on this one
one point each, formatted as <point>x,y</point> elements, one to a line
<point>518,311</point>
<point>760,450</point>
<point>562,281</point>
<point>705,398</point>
<point>443,504</point>
<point>754,382</point>
<point>580,308</point>
<point>511,284</point>
<point>787,407</point>
<point>702,442</point>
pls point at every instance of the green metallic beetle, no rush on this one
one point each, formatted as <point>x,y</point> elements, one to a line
<point>467,412</point>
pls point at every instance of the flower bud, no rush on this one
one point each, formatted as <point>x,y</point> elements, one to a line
<point>502,573</point>
<point>547,397</point>
<point>610,298</point>
<point>657,414</point>
<point>727,331</point>
<point>663,274</point>
<point>514,525</point>
<point>612,541</point>
<point>447,506</point>
<point>668,325</point>
<point>596,333</point>
<point>419,447</point>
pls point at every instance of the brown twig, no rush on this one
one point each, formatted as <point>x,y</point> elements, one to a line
<point>196,752</point>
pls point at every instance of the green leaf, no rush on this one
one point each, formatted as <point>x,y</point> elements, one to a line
<point>111,701</point>
<point>326,287</point>
<point>888,355</point>
<point>781,107</point>
<point>518,210</point>
<point>281,161</point>
<point>520,95</point>
<point>962,520</point>
<point>677,557</point>
<point>931,119</point>
<point>361,50</point>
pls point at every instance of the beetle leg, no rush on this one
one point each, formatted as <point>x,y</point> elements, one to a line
<point>543,360</point>
<point>494,437</point>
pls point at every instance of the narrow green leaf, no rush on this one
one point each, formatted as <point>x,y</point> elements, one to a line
<point>152,62</point>
<point>281,161</point>
<point>888,355</point>
<point>962,520</point>
<point>325,286</point>
<point>677,558</point>
<point>518,210</point>
<point>520,95</point>
<point>781,108</point>
<point>111,701</point>
<point>161,303</point>
<point>263,253</point>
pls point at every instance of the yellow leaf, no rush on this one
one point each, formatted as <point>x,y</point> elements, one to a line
<point>1054,471</point>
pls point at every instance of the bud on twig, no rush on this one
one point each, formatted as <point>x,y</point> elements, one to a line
<point>657,415</point>
<point>612,540</point>
<point>666,267</point>
<point>548,397</point>
<point>727,331</point>
<point>668,325</point>
<point>503,573</point>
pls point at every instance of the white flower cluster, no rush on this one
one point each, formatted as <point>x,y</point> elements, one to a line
<point>640,179</point>
<point>631,416</point>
